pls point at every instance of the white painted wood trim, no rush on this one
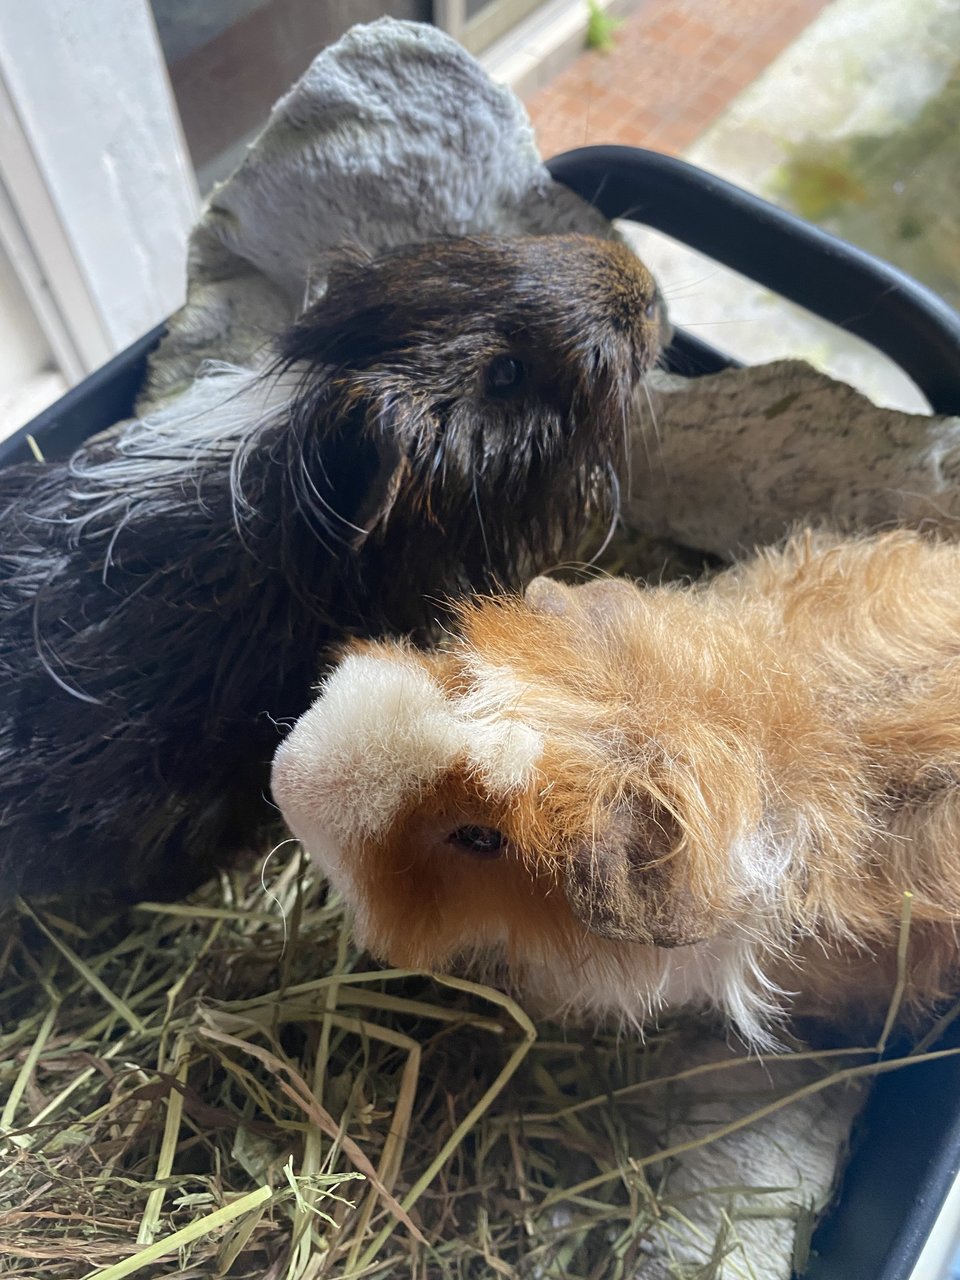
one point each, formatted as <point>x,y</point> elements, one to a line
<point>545,43</point>
<point>451,16</point>
<point>42,257</point>
<point>98,192</point>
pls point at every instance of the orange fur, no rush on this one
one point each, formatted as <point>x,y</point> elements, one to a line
<point>758,767</point>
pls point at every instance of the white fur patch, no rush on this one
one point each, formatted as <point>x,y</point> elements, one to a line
<point>504,753</point>
<point>218,418</point>
<point>221,407</point>
<point>637,983</point>
<point>758,862</point>
<point>380,731</point>
<point>497,692</point>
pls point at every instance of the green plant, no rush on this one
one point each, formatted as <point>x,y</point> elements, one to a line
<point>600,27</point>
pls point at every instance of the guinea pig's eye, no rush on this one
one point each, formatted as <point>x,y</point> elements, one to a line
<point>651,309</point>
<point>481,842</point>
<point>503,376</point>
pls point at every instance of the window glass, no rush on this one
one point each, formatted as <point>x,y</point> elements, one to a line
<point>229,61</point>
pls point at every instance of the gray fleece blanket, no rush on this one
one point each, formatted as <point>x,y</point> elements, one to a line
<point>395,134</point>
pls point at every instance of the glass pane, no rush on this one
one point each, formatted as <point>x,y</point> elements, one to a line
<point>229,61</point>
<point>488,20</point>
<point>847,112</point>
<point>857,128</point>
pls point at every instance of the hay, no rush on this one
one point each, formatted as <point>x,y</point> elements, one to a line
<point>228,1088</point>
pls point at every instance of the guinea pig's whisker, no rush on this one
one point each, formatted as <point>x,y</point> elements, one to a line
<point>310,501</point>
<point>653,413</point>
<point>688,289</point>
<point>645,441</point>
<point>627,452</point>
<point>482,527</point>
<point>628,213</point>
<point>614,518</point>
<point>45,662</point>
<point>712,324</point>
<point>656,429</point>
<point>599,188</point>
<point>319,508</point>
<point>263,885</point>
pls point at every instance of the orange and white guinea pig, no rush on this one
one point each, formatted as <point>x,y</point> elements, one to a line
<point>623,799</point>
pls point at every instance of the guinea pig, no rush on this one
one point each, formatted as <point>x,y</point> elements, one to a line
<point>446,417</point>
<point>618,800</point>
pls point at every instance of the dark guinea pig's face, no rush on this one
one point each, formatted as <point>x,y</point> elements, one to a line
<point>493,378</point>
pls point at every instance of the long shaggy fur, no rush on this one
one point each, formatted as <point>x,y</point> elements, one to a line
<point>445,417</point>
<point>727,789</point>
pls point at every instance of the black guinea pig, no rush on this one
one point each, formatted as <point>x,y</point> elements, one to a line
<point>446,417</point>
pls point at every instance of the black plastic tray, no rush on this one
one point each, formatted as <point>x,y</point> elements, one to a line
<point>906,1149</point>
<point>829,277</point>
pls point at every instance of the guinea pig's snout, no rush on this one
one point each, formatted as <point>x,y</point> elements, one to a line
<point>637,307</point>
<point>656,332</point>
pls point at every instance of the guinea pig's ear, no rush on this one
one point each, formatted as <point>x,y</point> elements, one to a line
<point>627,882</point>
<point>387,481</point>
<point>350,431</point>
<point>544,595</point>
<point>600,601</point>
<point>347,325</point>
<point>346,466</point>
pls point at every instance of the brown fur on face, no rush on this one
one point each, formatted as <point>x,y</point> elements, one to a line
<point>734,786</point>
<point>417,880</point>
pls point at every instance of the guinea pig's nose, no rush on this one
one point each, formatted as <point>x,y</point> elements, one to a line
<point>478,842</point>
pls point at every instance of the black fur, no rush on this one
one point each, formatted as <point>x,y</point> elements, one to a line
<point>167,596</point>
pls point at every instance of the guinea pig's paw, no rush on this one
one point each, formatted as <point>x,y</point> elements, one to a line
<point>380,730</point>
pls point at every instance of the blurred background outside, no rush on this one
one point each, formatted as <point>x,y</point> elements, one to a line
<point>116,119</point>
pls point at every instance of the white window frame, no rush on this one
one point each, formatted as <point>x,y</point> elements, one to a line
<point>97,191</point>
<point>478,33</point>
